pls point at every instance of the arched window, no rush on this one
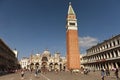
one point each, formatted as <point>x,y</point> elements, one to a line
<point>116,53</point>
<point>44,59</point>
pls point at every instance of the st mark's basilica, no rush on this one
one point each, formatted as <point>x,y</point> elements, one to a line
<point>44,60</point>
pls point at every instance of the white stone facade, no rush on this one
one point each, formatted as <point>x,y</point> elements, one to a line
<point>24,63</point>
<point>104,55</point>
<point>16,53</point>
<point>45,60</point>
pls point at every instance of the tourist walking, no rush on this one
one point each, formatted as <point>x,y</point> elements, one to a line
<point>36,72</point>
<point>86,71</point>
<point>116,74</point>
<point>22,74</point>
<point>107,72</point>
<point>102,74</point>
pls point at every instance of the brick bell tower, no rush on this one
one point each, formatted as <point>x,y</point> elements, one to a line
<point>72,43</point>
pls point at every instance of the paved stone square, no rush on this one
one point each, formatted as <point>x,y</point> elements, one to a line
<point>57,76</point>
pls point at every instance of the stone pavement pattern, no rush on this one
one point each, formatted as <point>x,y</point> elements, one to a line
<point>57,76</point>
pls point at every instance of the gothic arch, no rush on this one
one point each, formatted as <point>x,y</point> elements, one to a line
<point>32,66</point>
<point>44,58</point>
<point>56,65</point>
<point>37,65</point>
<point>51,66</point>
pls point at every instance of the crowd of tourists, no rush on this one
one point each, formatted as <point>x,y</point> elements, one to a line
<point>104,73</point>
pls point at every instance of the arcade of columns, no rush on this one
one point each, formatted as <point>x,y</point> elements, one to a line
<point>103,55</point>
<point>44,61</point>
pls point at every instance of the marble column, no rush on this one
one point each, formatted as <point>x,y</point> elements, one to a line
<point>118,52</point>
<point>114,54</point>
<point>116,65</point>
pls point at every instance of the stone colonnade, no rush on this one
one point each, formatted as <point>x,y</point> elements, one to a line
<point>103,55</point>
<point>103,65</point>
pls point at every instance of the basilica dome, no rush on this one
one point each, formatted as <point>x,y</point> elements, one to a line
<point>46,53</point>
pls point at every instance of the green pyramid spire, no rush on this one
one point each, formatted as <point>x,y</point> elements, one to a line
<point>70,10</point>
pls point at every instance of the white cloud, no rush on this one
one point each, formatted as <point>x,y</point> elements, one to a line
<point>87,42</point>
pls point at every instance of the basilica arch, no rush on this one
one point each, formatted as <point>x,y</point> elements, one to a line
<point>44,59</point>
<point>51,66</point>
<point>56,66</point>
<point>32,66</point>
<point>37,65</point>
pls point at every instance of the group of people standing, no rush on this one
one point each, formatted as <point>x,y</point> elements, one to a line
<point>36,71</point>
<point>106,72</point>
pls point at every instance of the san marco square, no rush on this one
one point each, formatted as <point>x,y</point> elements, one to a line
<point>101,61</point>
<point>57,76</point>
